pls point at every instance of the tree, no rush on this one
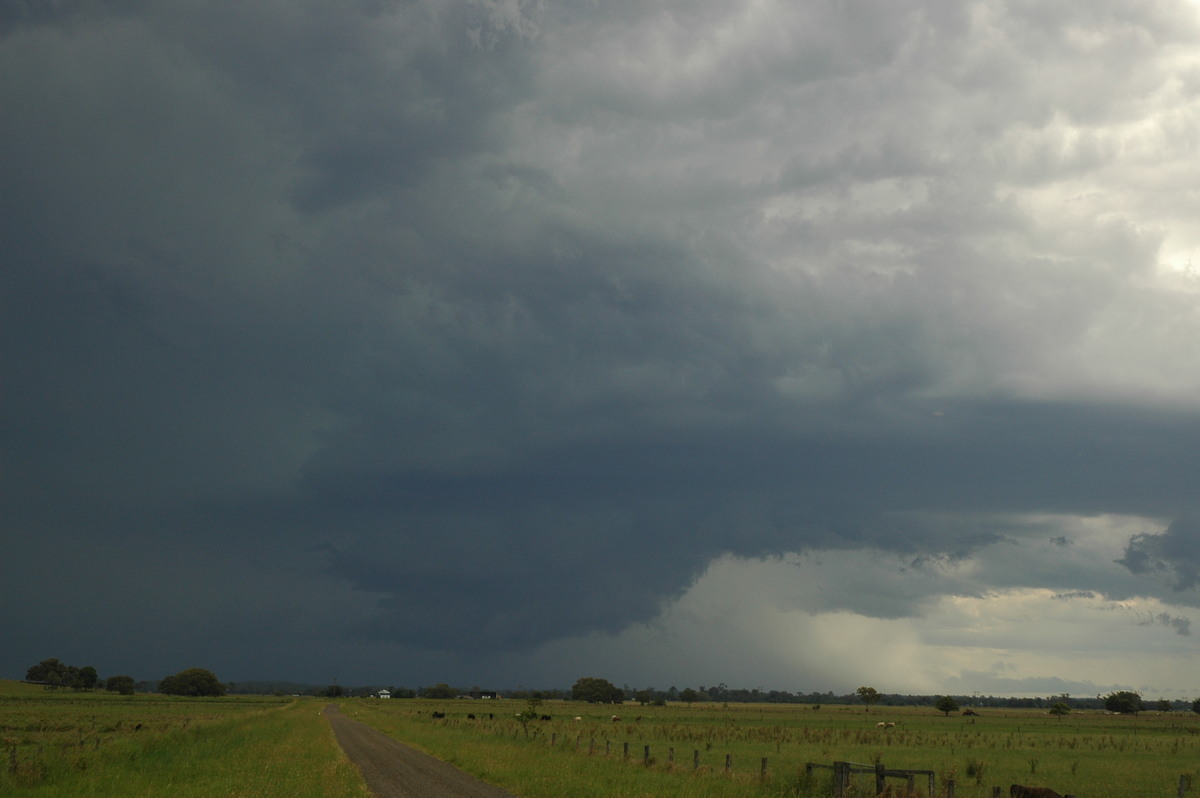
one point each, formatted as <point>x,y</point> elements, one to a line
<point>439,690</point>
<point>946,705</point>
<point>1124,702</point>
<point>868,695</point>
<point>596,691</point>
<point>192,682</point>
<point>119,684</point>
<point>87,679</point>
<point>48,671</point>
<point>1196,706</point>
<point>689,696</point>
<point>1163,705</point>
<point>1060,708</point>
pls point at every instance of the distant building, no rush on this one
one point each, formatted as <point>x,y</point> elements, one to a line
<point>385,693</point>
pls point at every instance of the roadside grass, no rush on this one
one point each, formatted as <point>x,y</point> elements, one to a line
<point>1088,754</point>
<point>102,745</point>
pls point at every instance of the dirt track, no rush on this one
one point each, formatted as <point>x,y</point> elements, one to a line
<point>394,770</point>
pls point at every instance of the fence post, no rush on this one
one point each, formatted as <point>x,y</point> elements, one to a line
<point>646,756</point>
<point>728,762</point>
<point>995,792</point>
<point>762,772</point>
<point>840,777</point>
<point>696,759</point>
<point>879,780</point>
<point>671,756</point>
<point>553,739</point>
<point>1183,784</point>
<point>625,751</point>
<point>949,788</point>
<point>607,747</point>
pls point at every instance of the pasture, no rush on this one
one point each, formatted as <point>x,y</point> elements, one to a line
<point>1089,754</point>
<point>99,744</point>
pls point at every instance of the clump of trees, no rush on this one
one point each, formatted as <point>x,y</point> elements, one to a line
<point>56,674</point>
<point>1124,702</point>
<point>596,691</point>
<point>192,682</point>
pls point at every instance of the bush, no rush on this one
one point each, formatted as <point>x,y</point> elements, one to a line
<point>192,682</point>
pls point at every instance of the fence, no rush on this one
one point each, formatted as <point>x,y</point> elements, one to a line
<point>843,771</point>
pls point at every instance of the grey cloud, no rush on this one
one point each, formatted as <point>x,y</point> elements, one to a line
<point>507,325</point>
<point>1173,556</point>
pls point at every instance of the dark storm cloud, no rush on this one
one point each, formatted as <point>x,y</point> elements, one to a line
<point>475,325</point>
<point>1172,556</point>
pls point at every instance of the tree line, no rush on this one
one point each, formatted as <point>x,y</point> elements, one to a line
<point>55,675</point>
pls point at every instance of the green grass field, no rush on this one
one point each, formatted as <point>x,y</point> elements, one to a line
<point>99,744</point>
<point>1088,754</point>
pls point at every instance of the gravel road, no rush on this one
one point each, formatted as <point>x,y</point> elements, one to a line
<point>395,770</point>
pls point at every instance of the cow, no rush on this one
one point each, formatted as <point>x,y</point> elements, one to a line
<point>470,716</point>
<point>577,717</point>
<point>616,718</point>
<point>880,725</point>
<point>1019,791</point>
<point>438,715</point>
<point>544,717</point>
<point>891,725</point>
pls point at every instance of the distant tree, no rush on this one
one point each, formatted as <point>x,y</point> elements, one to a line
<point>1196,706</point>
<point>596,691</point>
<point>87,679</point>
<point>945,704</point>
<point>1060,708</point>
<point>644,697</point>
<point>192,682</point>
<point>334,691</point>
<point>868,695</point>
<point>688,696</point>
<point>48,671</point>
<point>1163,705</point>
<point>1124,702</point>
<point>439,690</point>
<point>119,684</point>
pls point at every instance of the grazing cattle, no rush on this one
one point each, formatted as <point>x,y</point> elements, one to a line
<point>616,718</point>
<point>969,712</point>
<point>470,716</point>
<point>1018,791</point>
<point>544,717</point>
<point>891,725</point>
<point>578,718</point>
<point>438,715</point>
<point>880,725</point>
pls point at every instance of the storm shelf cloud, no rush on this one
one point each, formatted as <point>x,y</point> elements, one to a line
<point>511,341</point>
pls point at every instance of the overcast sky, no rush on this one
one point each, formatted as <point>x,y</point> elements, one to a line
<point>794,345</point>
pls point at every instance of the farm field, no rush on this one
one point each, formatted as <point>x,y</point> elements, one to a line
<point>1088,754</point>
<point>100,744</point>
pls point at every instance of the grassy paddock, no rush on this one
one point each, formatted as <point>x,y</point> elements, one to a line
<point>1092,755</point>
<point>98,744</point>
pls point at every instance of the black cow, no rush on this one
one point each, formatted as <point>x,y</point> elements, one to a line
<point>438,715</point>
<point>1019,791</point>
